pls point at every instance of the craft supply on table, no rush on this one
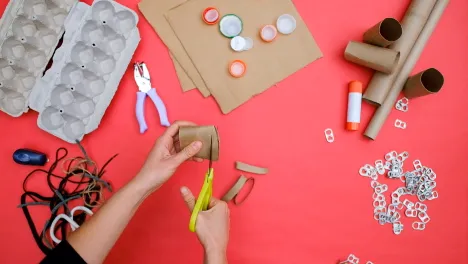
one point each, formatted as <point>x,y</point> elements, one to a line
<point>232,194</point>
<point>424,83</point>
<point>210,15</point>
<point>286,24</point>
<point>143,80</point>
<point>230,26</point>
<point>204,198</point>
<point>400,124</point>
<point>237,68</point>
<point>329,136</point>
<point>413,23</point>
<point>398,82</point>
<point>354,106</point>
<point>377,58</point>
<point>238,43</point>
<point>29,34</point>
<point>68,218</point>
<point>250,168</point>
<point>352,259</point>
<point>208,135</point>
<point>68,180</point>
<point>384,33</point>
<point>419,182</point>
<point>402,104</point>
<point>201,46</point>
<point>268,33</point>
<point>72,96</point>
<point>30,157</point>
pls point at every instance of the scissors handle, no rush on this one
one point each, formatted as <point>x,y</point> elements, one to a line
<point>160,107</point>
<point>203,200</point>
<point>140,111</point>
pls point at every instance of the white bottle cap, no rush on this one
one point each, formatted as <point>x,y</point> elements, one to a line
<point>286,24</point>
<point>238,43</point>
<point>230,26</point>
<point>248,43</point>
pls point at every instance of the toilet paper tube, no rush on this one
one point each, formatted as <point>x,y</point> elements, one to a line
<point>206,134</point>
<point>384,33</point>
<point>377,58</point>
<point>424,83</point>
<point>238,186</point>
<point>415,18</point>
<point>250,168</point>
<point>383,111</point>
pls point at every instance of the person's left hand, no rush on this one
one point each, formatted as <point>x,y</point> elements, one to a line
<point>166,156</point>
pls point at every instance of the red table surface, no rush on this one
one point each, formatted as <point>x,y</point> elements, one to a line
<point>313,207</point>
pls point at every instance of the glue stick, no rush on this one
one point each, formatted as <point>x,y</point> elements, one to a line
<point>354,106</point>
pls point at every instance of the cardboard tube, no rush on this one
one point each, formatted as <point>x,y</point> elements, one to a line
<point>413,22</point>
<point>383,111</point>
<point>377,58</point>
<point>384,33</point>
<point>205,134</point>
<point>236,188</point>
<point>250,168</point>
<point>424,83</point>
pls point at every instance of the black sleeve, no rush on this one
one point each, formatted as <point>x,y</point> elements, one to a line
<point>63,253</point>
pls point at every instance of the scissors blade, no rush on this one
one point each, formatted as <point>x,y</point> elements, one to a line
<point>211,152</point>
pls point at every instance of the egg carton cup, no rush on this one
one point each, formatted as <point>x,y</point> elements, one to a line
<point>29,33</point>
<point>75,92</point>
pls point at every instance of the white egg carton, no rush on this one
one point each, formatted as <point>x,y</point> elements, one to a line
<point>73,95</point>
<point>29,33</point>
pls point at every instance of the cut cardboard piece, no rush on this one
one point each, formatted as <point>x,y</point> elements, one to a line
<point>208,135</point>
<point>377,58</point>
<point>381,115</point>
<point>185,81</point>
<point>384,33</point>
<point>154,13</point>
<point>414,21</point>
<point>267,63</point>
<point>424,83</point>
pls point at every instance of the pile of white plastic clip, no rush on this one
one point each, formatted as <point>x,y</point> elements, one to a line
<point>353,260</point>
<point>420,182</point>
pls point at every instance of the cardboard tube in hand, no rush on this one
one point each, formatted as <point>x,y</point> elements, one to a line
<point>384,33</point>
<point>377,58</point>
<point>206,134</point>
<point>424,83</point>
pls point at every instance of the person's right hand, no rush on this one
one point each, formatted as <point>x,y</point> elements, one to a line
<point>212,226</point>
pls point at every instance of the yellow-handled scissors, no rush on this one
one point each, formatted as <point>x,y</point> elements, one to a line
<point>206,192</point>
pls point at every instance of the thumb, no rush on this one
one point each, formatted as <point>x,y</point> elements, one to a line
<point>188,197</point>
<point>188,152</point>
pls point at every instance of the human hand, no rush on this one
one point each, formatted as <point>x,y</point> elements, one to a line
<point>165,157</point>
<point>212,226</point>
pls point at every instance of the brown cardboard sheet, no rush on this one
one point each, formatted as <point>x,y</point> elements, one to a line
<point>413,22</point>
<point>250,168</point>
<point>154,10</point>
<point>185,81</point>
<point>383,111</point>
<point>377,58</point>
<point>267,63</point>
<point>384,33</point>
<point>424,83</point>
<point>206,134</point>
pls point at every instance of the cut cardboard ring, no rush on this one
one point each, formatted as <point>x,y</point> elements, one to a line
<point>268,33</point>
<point>286,24</point>
<point>237,68</point>
<point>210,15</point>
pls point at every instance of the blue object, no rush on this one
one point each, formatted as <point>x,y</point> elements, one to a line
<point>29,157</point>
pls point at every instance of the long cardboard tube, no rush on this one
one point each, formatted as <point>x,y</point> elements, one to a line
<point>250,168</point>
<point>384,33</point>
<point>415,18</point>
<point>205,134</point>
<point>424,83</point>
<point>377,58</point>
<point>383,111</point>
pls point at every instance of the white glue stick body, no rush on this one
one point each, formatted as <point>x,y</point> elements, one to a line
<point>354,106</point>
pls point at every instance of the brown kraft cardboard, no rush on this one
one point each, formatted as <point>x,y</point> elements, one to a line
<point>377,58</point>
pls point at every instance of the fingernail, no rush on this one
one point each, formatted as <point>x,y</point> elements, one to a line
<point>184,190</point>
<point>197,144</point>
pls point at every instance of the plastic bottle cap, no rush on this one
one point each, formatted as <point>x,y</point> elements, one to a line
<point>268,33</point>
<point>237,68</point>
<point>286,24</point>
<point>248,43</point>
<point>210,15</point>
<point>238,43</point>
<point>230,26</point>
